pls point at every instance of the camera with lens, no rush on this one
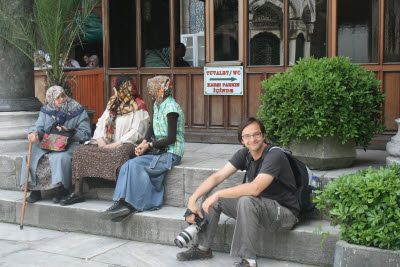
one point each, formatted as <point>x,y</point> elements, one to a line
<point>187,235</point>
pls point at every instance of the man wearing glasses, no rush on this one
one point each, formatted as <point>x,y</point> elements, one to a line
<point>266,201</point>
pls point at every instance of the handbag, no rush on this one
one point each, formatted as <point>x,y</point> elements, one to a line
<point>55,140</point>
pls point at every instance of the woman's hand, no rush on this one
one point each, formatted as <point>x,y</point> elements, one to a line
<point>33,137</point>
<point>100,142</point>
<point>61,128</point>
<point>113,145</point>
<point>141,149</point>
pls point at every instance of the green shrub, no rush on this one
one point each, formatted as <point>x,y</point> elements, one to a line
<point>322,97</point>
<point>366,205</point>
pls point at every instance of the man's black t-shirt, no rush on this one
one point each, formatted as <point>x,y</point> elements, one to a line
<point>277,165</point>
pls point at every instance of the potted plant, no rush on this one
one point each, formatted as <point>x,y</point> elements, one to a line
<point>54,27</point>
<point>329,102</point>
<point>366,207</point>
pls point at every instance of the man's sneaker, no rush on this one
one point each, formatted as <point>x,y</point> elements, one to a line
<point>119,208</point>
<point>194,253</point>
<point>245,263</point>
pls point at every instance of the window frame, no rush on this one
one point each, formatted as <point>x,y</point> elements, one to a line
<point>209,36</point>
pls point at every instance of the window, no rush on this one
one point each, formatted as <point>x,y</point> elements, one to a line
<point>265,32</point>
<point>122,14</point>
<point>307,29</point>
<point>190,48</point>
<point>358,32</point>
<point>392,31</point>
<point>155,33</point>
<point>226,33</point>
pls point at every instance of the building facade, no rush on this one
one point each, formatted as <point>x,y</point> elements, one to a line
<point>140,39</point>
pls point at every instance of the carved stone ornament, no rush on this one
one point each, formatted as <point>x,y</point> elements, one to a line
<point>393,147</point>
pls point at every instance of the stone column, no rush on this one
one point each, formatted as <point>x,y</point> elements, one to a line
<point>292,51</point>
<point>18,105</point>
<point>393,147</point>
<point>17,90</point>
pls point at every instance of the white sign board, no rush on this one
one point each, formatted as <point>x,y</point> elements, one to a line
<point>223,80</point>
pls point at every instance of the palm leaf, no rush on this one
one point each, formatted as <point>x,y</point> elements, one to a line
<point>54,26</point>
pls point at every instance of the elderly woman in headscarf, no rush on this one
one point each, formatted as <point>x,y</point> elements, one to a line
<point>50,169</point>
<point>140,181</point>
<point>123,123</point>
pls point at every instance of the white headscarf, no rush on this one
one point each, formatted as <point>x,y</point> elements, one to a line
<point>67,110</point>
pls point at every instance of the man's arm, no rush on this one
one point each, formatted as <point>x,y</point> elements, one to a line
<point>259,184</point>
<point>206,186</point>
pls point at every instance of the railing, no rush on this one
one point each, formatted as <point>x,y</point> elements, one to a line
<point>86,86</point>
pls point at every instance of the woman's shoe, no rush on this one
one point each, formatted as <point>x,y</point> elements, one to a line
<point>122,218</point>
<point>34,196</point>
<point>61,194</point>
<point>72,199</point>
<point>132,211</point>
<point>119,208</point>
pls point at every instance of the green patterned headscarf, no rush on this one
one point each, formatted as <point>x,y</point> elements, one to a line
<point>160,87</point>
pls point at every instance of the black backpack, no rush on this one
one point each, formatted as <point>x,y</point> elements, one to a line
<point>302,175</point>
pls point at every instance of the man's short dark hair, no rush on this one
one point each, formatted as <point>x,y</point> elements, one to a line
<point>178,44</point>
<point>246,123</point>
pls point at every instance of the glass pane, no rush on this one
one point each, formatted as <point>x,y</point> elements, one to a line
<point>202,49</point>
<point>155,33</point>
<point>358,30</point>
<point>122,33</point>
<point>265,32</point>
<point>226,34</point>
<point>307,29</point>
<point>392,31</point>
<point>92,43</point>
<point>189,50</point>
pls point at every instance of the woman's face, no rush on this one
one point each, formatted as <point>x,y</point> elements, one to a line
<point>86,59</point>
<point>115,91</point>
<point>60,99</point>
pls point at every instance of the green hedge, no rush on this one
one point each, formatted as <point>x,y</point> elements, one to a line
<point>366,205</point>
<point>322,97</point>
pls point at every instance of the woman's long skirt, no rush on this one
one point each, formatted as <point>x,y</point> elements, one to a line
<point>43,176</point>
<point>92,161</point>
<point>140,180</point>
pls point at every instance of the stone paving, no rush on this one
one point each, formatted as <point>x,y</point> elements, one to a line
<point>42,247</point>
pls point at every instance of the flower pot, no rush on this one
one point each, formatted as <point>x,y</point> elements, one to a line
<point>355,255</point>
<point>324,153</point>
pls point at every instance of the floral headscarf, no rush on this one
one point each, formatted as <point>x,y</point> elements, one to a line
<point>126,101</point>
<point>160,87</point>
<point>68,110</point>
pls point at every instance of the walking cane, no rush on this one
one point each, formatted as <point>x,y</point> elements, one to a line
<point>26,186</point>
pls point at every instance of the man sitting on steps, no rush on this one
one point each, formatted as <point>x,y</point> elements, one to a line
<point>265,201</point>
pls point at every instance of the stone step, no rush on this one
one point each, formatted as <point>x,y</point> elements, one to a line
<point>199,161</point>
<point>11,155</point>
<point>162,226</point>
